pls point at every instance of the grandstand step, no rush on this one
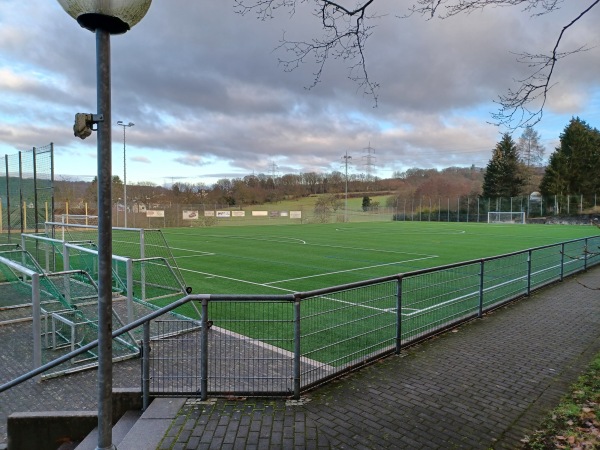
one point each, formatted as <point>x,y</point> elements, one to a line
<point>137,430</point>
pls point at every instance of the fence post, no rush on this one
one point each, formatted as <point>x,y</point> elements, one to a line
<point>129,270</point>
<point>481,272</point>
<point>146,366</point>
<point>143,267</point>
<point>585,254</point>
<point>297,349</point>
<point>204,351</point>
<point>399,316</point>
<point>529,254</point>
<point>562,261</point>
<point>67,266</point>
<point>37,322</point>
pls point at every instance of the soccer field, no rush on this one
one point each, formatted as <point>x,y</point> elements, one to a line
<point>286,259</point>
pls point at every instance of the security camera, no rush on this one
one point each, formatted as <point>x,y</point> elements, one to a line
<point>84,124</point>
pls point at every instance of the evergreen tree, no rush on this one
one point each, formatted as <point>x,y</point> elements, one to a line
<point>574,166</point>
<point>503,174</point>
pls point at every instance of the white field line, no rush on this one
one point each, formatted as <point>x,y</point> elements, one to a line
<point>430,231</point>
<point>452,300</point>
<point>272,348</point>
<point>280,239</point>
<point>191,251</point>
<point>290,240</point>
<point>350,270</point>
<point>214,275</point>
<point>194,256</point>
<point>377,250</point>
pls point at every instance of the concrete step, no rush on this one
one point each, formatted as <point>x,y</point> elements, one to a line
<point>119,431</point>
<point>151,427</point>
<point>137,430</point>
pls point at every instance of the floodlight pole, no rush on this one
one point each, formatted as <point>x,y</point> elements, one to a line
<point>105,368</point>
<point>125,125</point>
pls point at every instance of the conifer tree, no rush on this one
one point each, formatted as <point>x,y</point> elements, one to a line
<point>574,167</point>
<point>503,174</point>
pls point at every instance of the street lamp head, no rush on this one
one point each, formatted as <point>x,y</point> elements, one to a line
<point>123,124</point>
<point>114,16</point>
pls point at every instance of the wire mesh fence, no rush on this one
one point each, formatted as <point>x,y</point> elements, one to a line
<point>576,208</point>
<point>285,345</point>
<point>282,345</point>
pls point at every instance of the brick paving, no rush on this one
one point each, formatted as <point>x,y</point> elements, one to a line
<point>483,385</point>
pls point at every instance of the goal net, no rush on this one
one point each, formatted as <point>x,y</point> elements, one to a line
<point>506,217</point>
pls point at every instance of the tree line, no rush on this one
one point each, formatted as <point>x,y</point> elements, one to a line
<point>573,167</point>
<point>516,168</point>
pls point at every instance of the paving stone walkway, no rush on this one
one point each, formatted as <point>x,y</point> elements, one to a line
<point>484,385</point>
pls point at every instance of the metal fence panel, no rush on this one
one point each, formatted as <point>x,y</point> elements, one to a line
<point>545,265</point>
<point>575,256</point>
<point>505,278</point>
<point>175,358</point>
<point>346,328</point>
<point>431,300</point>
<point>250,347</point>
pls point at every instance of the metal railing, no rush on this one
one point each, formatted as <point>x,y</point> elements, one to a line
<point>282,345</point>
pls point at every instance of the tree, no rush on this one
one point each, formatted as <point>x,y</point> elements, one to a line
<point>325,206</point>
<point>574,166</point>
<point>346,30</point>
<point>502,176</point>
<point>530,150</point>
<point>366,203</point>
<point>91,193</point>
<point>531,153</point>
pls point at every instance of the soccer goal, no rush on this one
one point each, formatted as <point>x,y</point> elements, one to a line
<point>506,217</point>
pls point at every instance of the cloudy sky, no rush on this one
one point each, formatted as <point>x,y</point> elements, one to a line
<point>209,100</point>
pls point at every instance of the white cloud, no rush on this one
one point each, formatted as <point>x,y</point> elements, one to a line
<point>203,86</point>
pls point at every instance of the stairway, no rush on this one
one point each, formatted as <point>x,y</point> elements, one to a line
<point>137,430</point>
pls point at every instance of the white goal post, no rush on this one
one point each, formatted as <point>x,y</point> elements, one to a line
<point>506,217</point>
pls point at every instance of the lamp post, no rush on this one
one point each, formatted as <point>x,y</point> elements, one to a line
<point>125,125</point>
<point>117,210</point>
<point>104,18</point>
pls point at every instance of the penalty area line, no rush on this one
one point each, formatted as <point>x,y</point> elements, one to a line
<point>212,275</point>
<point>350,270</point>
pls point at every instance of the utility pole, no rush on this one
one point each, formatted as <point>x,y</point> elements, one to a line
<point>369,160</point>
<point>346,158</point>
<point>274,168</point>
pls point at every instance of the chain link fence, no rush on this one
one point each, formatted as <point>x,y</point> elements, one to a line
<point>26,192</point>
<point>535,208</point>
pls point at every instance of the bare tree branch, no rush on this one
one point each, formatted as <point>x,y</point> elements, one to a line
<point>346,30</point>
<point>345,33</point>
<point>447,8</point>
<point>514,107</point>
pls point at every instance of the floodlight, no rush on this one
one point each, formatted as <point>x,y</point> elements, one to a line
<point>115,16</point>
